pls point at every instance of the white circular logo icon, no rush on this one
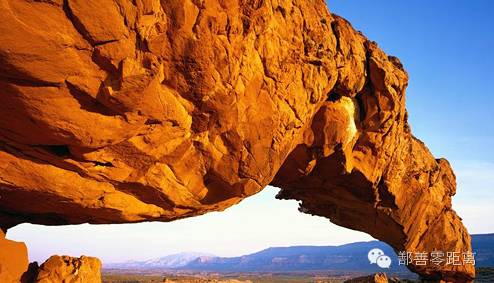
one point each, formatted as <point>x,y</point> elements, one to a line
<point>377,256</point>
<point>384,261</point>
<point>374,254</point>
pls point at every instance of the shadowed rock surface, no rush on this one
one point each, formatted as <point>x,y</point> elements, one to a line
<point>121,111</point>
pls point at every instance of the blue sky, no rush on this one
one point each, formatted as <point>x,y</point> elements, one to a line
<point>447,49</point>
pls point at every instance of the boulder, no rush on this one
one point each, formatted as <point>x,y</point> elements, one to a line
<point>65,269</point>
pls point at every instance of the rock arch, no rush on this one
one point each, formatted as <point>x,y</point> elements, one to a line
<point>121,111</point>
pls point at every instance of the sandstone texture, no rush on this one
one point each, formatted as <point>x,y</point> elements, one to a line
<point>13,260</point>
<point>65,269</point>
<point>116,111</point>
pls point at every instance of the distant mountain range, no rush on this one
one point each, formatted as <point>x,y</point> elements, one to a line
<point>299,258</point>
<point>483,245</point>
<point>173,261</point>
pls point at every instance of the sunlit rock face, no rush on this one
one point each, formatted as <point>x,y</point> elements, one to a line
<point>121,111</point>
<point>69,269</point>
<point>13,260</point>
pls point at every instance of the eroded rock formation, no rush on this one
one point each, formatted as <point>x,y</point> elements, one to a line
<point>69,269</point>
<point>117,111</point>
<point>13,260</point>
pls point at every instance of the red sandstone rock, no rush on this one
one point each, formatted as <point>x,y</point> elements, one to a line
<point>375,278</point>
<point>13,260</point>
<point>59,269</point>
<point>125,111</point>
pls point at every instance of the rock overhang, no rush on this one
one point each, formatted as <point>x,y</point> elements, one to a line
<point>123,111</point>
